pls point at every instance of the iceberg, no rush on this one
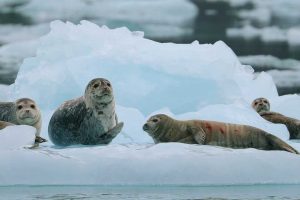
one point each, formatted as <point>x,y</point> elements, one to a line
<point>185,81</point>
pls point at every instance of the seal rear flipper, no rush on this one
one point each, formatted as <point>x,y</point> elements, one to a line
<point>198,134</point>
<point>278,144</point>
<point>107,137</point>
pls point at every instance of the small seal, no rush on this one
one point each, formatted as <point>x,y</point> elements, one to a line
<point>163,128</point>
<point>87,120</point>
<point>262,106</point>
<point>23,111</point>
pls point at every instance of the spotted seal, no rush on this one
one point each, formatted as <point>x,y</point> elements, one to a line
<point>23,111</point>
<point>262,106</point>
<point>87,120</point>
<point>163,128</point>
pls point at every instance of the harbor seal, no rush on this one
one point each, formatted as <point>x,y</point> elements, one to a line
<point>23,111</point>
<point>262,106</point>
<point>163,128</point>
<point>87,120</point>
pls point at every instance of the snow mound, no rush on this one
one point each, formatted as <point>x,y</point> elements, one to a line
<point>14,137</point>
<point>201,75</point>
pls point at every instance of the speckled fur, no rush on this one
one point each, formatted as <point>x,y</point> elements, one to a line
<point>85,121</point>
<point>166,129</point>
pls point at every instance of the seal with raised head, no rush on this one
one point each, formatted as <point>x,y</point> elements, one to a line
<point>262,106</point>
<point>163,128</point>
<point>23,111</point>
<point>87,120</point>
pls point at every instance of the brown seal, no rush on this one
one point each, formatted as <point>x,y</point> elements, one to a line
<point>23,111</point>
<point>262,106</point>
<point>87,120</point>
<point>163,128</point>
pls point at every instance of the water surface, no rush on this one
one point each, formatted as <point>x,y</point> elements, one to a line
<point>248,192</point>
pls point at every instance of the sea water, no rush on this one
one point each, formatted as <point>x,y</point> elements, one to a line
<point>151,192</point>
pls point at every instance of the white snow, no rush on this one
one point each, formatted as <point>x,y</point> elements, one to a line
<point>16,137</point>
<point>186,81</point>
<point>162,164</point>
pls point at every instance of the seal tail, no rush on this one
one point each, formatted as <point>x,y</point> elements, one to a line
<point>278,144</point>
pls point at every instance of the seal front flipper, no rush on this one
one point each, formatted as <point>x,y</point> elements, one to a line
<point>39,139</point>
<point>112,133</point>
<point>198,134</point>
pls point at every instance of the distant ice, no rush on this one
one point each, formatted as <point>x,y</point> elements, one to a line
<point>12,55</point>
<point>266,34</point>
<point>174,16</point>
<point>17,33</point>
<point>271,62</point>
<point>263,13</point>
<point>285,72</point>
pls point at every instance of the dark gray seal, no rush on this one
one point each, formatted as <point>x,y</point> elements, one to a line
<point>23,111</point>
<point>163,128</point>
<point>262,106</point>
<point>87,120</point>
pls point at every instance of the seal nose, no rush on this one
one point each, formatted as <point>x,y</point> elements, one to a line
<point>27,111</point>
<point>145,127</point>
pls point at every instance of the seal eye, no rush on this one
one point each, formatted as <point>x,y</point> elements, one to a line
<point>155,120</point>
<point>108,84</point>
<point>96,85</point>
<point>20,107</point>
<point>32,106</point>
<point>255,103</point>
<point>265,101</point>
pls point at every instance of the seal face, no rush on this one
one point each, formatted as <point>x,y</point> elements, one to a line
<point>262,106</point>
<point>27,112</point>
<point>23,111</point>
<point>87,120</point>
<point>163,128</point>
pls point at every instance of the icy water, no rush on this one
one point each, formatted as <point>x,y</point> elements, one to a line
<point>151,192</point>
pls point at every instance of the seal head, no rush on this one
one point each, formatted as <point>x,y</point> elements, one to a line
<point>27,112</point>
<point>98,92</point>
<point>155,123</point>
<point>261,105</point>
